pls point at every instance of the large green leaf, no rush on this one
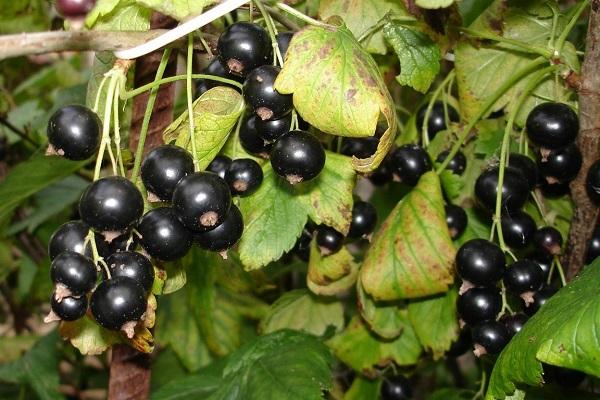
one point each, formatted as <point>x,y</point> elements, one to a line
<point>411,254</point>
<point>337,87</point>
<point>119,15</point>
<point>196,386</point>
<point>178,9</point>
<point>363,388</point>
<point>385,319</point>
<point>215,115</point>
<point>562,333</point>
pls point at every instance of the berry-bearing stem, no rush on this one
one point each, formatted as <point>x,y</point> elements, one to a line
<point>560,41</point>
<point>157,82</point>
<point>117,128</point>
<point>272,29</point>
<point>436,94</point>
<point>303,17</point>
<point>190,100</point>
<point>105,141</point>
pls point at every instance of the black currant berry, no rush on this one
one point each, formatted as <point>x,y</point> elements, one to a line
<point>462,343</point>
<point>111,204</point>
<point>540,298</point>
<point>302,246</point>
<point>359,147</point>
<point>74,8</point>
<point>543,260</point>
<point>164,237</point>
<point>561,165</point>
<point>216,68</point>
<point>250,140</point>
<point>70,236</point>
<point>225,235</point>
<point>283,41</point>
<point>132,265</point>
<point>514,323</point>
<point>271,129</point>
<point>260,94</point>
<point>517,229</point>
<point>554,190</point>
<point>298,156</point>
<point>437,118</point>
<point>492,336</point>
<point>592,182</point>
<point>396,387</point>
<point>74,132</point>
<point>244,176</point>
<point>74,271</point>
<point>564,377</point>
<point>329,240</point>
<point>593,250</point>
<point>523,276</point>
<point>382,175</point>
<point>364,219</point>
<point>118,301</point>
<point>457,165</point>
<point>514,189</point>
<point>552,125</point>
<point>479,304</point>
<point>163,168</point>
<point>69,308</point>
<point>200,88</point>
<point>480,262</point>
<point>548,239</point>
<point>219,165</point>
<point>243,47</point>
<point>526,166</point>
<point>456,219</point>
<point>408,163</point>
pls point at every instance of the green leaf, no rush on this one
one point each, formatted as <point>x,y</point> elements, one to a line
<point>119,15</point>
<point>452,394</point>
<point>411,255</point>
<point>337,87</point>
<point>471,9</point>
<point>13,347</point>
<point>87,336</point>
<point>419,56</point>
<point>561,333</point>
<point>197,386</point>
<point>362,350</point>
<point>340,265</point>
<point>303,311</point>
<point>434,321</point>
<point>103,62</point>
<point>432,4</point>
<point>385,319</point>
<point>178,9</point>
<point>362,389</point>
<point>284,365</point>
<point>215,115</point>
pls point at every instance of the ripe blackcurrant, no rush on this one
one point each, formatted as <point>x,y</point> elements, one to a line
<point>593,249</point>
<point>225,235</point>
<point>298,156</point>
<point>561,165</point>
<point>74,8</point>
<point>329,240</point>
<point>458,164</point>
<point>163,235</point>
<point>302,246</point>
<point>244,176</point>
<point>479,304</point>
<point>514,189</point>
<point>456,219</point>
<point>480,262</point>
<point>283,41</point>
<point>270,130</point>
<point>517,229</point>
<point>437,118</point>
<point>250,140</point>
<point>70,236</point>
<point>523,276</point>
<point>514,323</point>
<point>219,165</point>
<point>359,147</point>
<point>216,68</point>
<point>540,298</point>
<point>364,219</point>
<point>69,308</point>
<point>132,265</point>
<point>74,271</point>
<point>243,47</point>
<point>552,125</point>
<point>592,182</point>
<point>111,204</point>
<point>74,132</point>
<point>543,260</point>
<point>118,301</point>
<point>462,343</point>
<point>548,239</point>
<point>492,336</point>
<point>526,166</point>
<point>396,387</point>
<point>408,163</point>
<point>260,94</point>
<point>163,168</point>
<point>554,190</point>
<point>381,175</point>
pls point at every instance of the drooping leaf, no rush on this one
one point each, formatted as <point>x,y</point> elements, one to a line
<point>337,87</point>
<point>303,311</point>
<point>411,255</point>
<point>363,388</point>
<point>432,4</point>
<point>324,268</point>
<point>87,336</point>
<point>177,9</point>
<point>385,319</point>
<point>119,15</point>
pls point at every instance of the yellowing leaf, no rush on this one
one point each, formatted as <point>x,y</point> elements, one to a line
<point>323,270</point>
<point>342,260</point>
<point>432,4</point>
<point>385,319</point>
<point>87,336</point>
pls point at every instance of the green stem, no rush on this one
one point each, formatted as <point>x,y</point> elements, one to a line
<point>560,42</point>
<point>106,124</point>
<point>272,29</point>
<point>516,43</point>
<point>146,121</point>
<point>434,97</point>
<point>481,390</point>
<point>190,99</point>
<point>117,131</point>
<point>205,44</point>
<point>375,28</point>
<point>100,87</point>
<point>303,17</point>
<point>149,86</point>
<point>561,272</point>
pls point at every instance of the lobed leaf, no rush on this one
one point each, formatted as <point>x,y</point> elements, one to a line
<point>385,319</point>
<point>87,336</point>
<point>341,265</point>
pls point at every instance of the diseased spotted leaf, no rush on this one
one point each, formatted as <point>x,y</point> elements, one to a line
<point>87,336</point>
<point>341,265</point>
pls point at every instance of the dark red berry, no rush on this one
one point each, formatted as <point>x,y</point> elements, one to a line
<point>298,156</point>
<point>396,387</point>
<point>224,236</point>
<point>514,323</point>
<point>548,239</point>
<point>163,168</point>
<point>457,165</point>
<point>561,165</point>
<point>118,301</point>
<point>244,46</point>
<point>69,308</point>
<point>552,125</point>
<point>260,94</point>
<point>491,336</point>
<point>329,240</point>
<point>514,189</point>
<point>479,304</point>
<point>219,165</point>
<point>364,219</point>
<point>359,147</point>
<point>456,219</point>
<point>74,271</point>
<point>480,262</point>
<point>540,298</point>
<point>408,163</point>
<point>250,140</point>
<point>74,8</point>
<point>74,132</point>
<point>517,229</point>
<point>523,276</point>
<point>270,130</point>
<point>526,166</point>
<point>163,235</point>
<point>437,118</point>
<point>244,176</point>
<point>132,265</point>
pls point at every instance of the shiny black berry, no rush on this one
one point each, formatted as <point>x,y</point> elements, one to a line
<point>480,262</point>
<point>244,176</point>
<point>437,118</point>
<point>492,336</point>
<point>202,200</point>
<point>216,68</point>
<point>118,301</point>
<point>298,156</point>
<point>163,235</point>
<point>517,229</point>
<point>457,165</point>
<point>302,246</point>
<point>250,140</point>
<point>74,271</point>
<point>359,147</point>
<point>561,165</point>
<point>163,168</point>
<point>219,165</point>
<point>456,219</point>
<point>111,204</point>
<point>260,94</point>
<point>552,125</point>
<point>527,167</point>
<point>408,163</point>
<point>540,298</point>
<point>479,304</point>
<point>243,47</point>
<point>593,250</point>
<point>225,235</point>
<point>514,323</point>
<point>514,189</point>
<point>381,175</point>
<point>74,132</point>
<point>592,182</point>
<point>69,308</point>
<point>523,276</point>
<point>132,265</point>
<point>329,240</point>
<point>396,387</point>
<point>462,343</point>
<point>543,260</point>
<point>554,190</point>
<point>364,219</point>
<point>70,236</point>
<point>548,239</point>
<point>270,130</point>
<point>283,41</point>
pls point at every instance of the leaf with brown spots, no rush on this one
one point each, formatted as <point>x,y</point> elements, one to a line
<point>337,87</point>
<point>385,319</point>
<point>411,254</point>
<point>333,274</point>
<point>87,336</point>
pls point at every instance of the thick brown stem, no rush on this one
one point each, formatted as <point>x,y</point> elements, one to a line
<point>586,213</point>
<point>129,374</point>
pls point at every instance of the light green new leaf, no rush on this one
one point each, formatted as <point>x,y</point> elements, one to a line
<point>419,56</point>
<point>87,336</point>
<point>178,9</point>
<point>303,311</point>
<point>337,87</point>
<point>103,62</point>
<point>385,319</point>
<point>119,15</point>
<point>562,333</point>
<point>324,269</point>
<point>434,321</point>
<point>363,388</point>
<point>215,115</point>
<point>432,4</point>
<point>411,255</point>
